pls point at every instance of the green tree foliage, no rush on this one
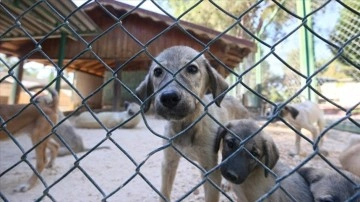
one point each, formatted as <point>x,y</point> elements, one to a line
<point>211,14</point>
<point>272,86</point>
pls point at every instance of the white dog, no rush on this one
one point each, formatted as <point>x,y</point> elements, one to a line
<point>110,119</point>
<point>303,115</point>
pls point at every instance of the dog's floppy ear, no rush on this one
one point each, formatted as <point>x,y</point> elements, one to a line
<point>219,136</point>
<point>271,153</point>
<point>310,174</point>
<point>294,112</point>
<point>126,104</point>
<point>216,82</point>
<point>144,90</point>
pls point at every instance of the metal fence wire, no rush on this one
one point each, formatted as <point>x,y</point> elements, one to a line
<point>345,49</point>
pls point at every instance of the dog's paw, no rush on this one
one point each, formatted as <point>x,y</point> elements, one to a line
<point>297,154</point>
<point>226,186</point>
<point>22,188</point>
<point>324,152</point>
<point>196,192</point>
<point>293,154</point>
<point>50,165</point>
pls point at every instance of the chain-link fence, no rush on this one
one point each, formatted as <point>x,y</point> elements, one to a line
<point>130,169</point>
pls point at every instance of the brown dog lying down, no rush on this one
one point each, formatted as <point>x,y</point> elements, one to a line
<point>329,185</point>
<point>250,180</point>
<point>350,157</point>
<point>110,119</point>
<point>33,122</point>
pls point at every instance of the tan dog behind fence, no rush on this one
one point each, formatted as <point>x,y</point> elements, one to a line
<point>175,103</point>
<point>250,180</point>
<point>33,122</point>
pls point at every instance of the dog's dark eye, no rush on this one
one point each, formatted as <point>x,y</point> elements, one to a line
<point>255,152</point>
<point>231,143</point>
<point>158,72</point>
<point>192,69</point>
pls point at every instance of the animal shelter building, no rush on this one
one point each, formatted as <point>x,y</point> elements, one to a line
<point>107,53</point>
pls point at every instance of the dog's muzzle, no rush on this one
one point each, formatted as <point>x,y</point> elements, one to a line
<point>269,116</point>
<point>131,112</point>
<point>172,105</point>
<point>170,98</point>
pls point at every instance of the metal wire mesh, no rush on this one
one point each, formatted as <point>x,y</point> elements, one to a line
<point>64,24</point>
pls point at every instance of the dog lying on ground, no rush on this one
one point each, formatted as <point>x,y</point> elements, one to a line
<point>303,115</point>
<point>350,157</point>
<point>174,102</point>
<point>67,132</point>
<point>33,122</point>
<point>110,119</point>
<point>329,185</point>
<point>249,177</point>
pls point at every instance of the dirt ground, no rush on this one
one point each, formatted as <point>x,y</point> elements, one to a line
<point>126,171</point>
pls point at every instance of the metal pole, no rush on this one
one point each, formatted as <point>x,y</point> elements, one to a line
<point>307,60</point>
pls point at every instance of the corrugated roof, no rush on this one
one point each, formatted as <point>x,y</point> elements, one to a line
<point>198,29</point>
<point>41,18</point>
<point>116,46</point>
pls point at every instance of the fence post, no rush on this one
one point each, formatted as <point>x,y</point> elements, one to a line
<point>307,60</point>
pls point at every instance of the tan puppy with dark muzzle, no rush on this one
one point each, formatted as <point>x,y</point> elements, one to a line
<point>247,165</point>
<point>303,115</point>
<point>178,73</point>
<point>32,121</point>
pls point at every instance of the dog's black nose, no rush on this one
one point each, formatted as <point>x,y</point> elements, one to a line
<point>170,99</point>
<point>231,176</point>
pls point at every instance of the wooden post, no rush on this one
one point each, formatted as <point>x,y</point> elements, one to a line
<point>61,57</point>
<point>117,89</point>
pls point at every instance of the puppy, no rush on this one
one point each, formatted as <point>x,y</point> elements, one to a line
<point>247,164</point>
<point>350,157</point>
<point>110,119</point>
<point>177,83</point>
<point>19,118</point>
<point>329,185</point>
<point>303,115</point>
